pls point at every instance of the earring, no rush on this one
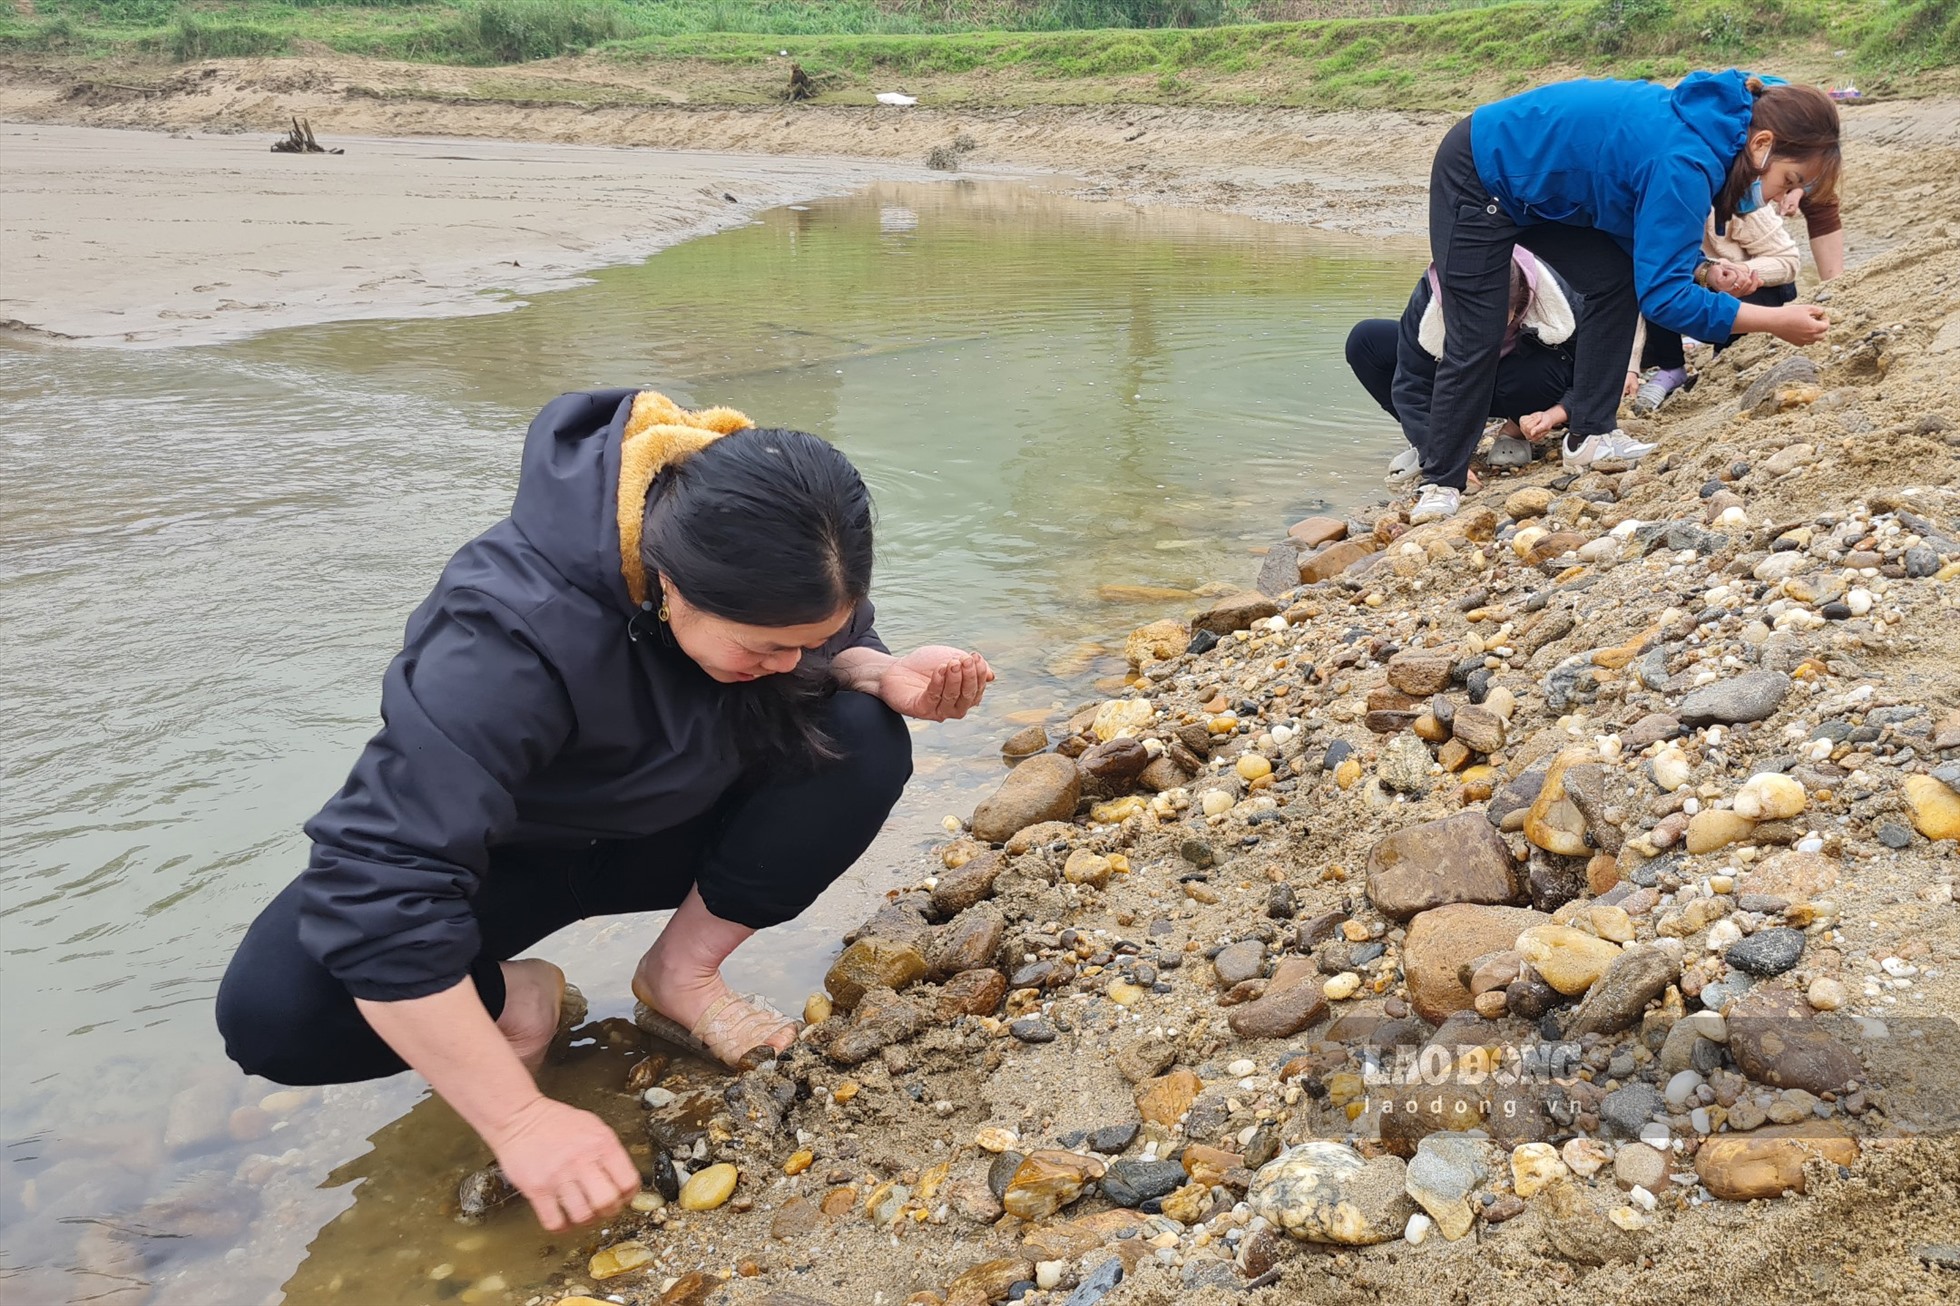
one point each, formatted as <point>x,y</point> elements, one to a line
<point>664,614</point>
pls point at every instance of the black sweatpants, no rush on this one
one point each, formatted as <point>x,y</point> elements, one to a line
<point>760,856</point>
<point>1530,379</point>
<point>1470,242</point>
<point>1663,347</point>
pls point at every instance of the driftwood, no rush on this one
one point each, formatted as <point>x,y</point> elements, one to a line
<point>300,141</point>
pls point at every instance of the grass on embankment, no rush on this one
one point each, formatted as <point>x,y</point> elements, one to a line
<point>721,51</point>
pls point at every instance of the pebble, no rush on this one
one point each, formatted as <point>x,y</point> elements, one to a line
<point>1935,808</point>
<point>1624,1112</point>
<point>1569,960</point>
<point>1770,797</point>
<point>709,1188</point>
<point>1441,1176</point>
<point>1752,696</point>
<point>1033,1029</point>
<point>1638,1166</point>
<point>1327,1193</point>
<point>1240,961</point>
<point>1457,859</point>
<point>620,1258</point>
<point>1341,987</point>
<point>1767,952</point>
<point>1046,787</point>
<point>1768,1162</point>
<point>1533,1166</point>
<point>1585,1157</point>
<point>1046,1181</point>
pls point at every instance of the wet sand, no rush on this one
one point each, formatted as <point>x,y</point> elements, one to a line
<point>136,237</point>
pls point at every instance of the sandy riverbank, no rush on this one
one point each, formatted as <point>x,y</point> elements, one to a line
<point>455,197</point>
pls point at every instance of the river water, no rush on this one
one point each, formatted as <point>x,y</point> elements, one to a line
<point>207,554</point>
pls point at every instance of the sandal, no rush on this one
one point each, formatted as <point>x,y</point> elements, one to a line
<point>735,1029</point>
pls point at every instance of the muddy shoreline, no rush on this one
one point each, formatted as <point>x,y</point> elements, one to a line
<point>1186,964</point>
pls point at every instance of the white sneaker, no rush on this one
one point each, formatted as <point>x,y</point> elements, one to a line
<point>1438,503</point>
<point>1615,446</point>
<point>1406,464</point>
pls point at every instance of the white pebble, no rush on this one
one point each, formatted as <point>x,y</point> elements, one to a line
<point>1048,1274</point>
<point>1898,968</point>
<point>1682,1087</point>
<point>1811,843</point>
<point>1700,1121</point>
<point>1655,1134</point>
<point>1859,601</point>
<point>659,1097</point>
<point>1241,1068</point>
<point>1417,1229</point>
<point>1723,935</point>
<point>1641,1198</point>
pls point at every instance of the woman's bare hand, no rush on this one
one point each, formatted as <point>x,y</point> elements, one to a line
<point>568,1163</point>
<point>935,683</point>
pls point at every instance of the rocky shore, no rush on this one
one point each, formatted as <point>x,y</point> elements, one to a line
<point>1561,896</point>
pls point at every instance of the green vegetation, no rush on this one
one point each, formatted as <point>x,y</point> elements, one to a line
<point>1330,52</point>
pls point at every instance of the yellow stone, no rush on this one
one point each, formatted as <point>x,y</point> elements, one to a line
<point>1047,1181</point>
<point>1341,987</point>
<point>1117,810</point>
<point>1121,718</point>
<point>1554,822</point>
<point>709,1189</point>
<point>930,1181</point>
<point>799,1161</point>
<point>1533,1166</point>
<point>1223,724</point>
<point>1708,831</point>
<point>622,1258</point>
<point>1567,959</point>
<point>1770,797</point>
<point>1216,802</point>
<point>847,1090</point>
<point>1163,1099</point>
<point>1611,923</point>
<point>995,1139</point>
<point>1187,1205</point>
<point>1125,994</point>
<point>1935,808</point>
<point>817,1008</point>
<point>1251,766</point>
<point>1347,773</point>
<point>1086,867</point>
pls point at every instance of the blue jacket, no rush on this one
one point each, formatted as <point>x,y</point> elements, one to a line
<point>1634,159</point>
<point>519,710</point>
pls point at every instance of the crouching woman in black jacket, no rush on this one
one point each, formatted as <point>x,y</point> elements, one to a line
<point>654,685</point>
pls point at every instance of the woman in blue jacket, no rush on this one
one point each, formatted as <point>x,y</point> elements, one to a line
<point>655,685</point>
<point>1610,182</point>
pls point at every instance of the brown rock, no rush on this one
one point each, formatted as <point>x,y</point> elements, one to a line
<point>972,993</point>
<point>1046,787</point>
<point>1047,1181</point>
<point>1454,756</point>
<point>1316,531</point>
<point>794,1219</point>
<point>1531,501</point>
<point>1421,672</point>
<point>1235,612</point>
<point>988,1282</point>
<point>1293,1000</point>
<point>872,963</point>
<point>1794,876</point>
<point>1332,560</point>
<point>1776,1040</point>
<point>1479,728</point>
<point>1166,772</point>
<point>1116,763</point>
<point>1146,1058</point>
<point>963,886</point>
<point>1161,1101</point>
<point>1556,545</point>
<point>1440,941</point>
<point>1025,743</point>
<point>691,1289</point>
<point>1157,642</point>
<point>1634,978</point>
<point>1457,859</point>
<point>970,942</point>
<point>1602,873</point>
<point>1769,1161</point>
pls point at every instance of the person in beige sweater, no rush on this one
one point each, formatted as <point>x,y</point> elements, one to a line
<point>1754,259</point>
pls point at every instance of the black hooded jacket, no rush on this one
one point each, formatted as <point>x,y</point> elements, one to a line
<point>520,709</point>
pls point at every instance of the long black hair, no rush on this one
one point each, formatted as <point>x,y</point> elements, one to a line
<point>772,528</point>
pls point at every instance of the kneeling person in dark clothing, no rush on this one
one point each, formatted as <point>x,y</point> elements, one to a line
<point>1396,361</point>
<point>655,685</point>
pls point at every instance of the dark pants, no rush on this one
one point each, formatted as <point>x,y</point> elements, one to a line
<point>761,856</point>
<point>1470,241</point>
<point>1663,347</point>
<point>1530,379</point>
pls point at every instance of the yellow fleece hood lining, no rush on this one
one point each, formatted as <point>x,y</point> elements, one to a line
<point>659,434</point>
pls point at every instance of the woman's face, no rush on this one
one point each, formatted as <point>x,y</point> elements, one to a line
<point>734,653</point>
<point>1781,175</point>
